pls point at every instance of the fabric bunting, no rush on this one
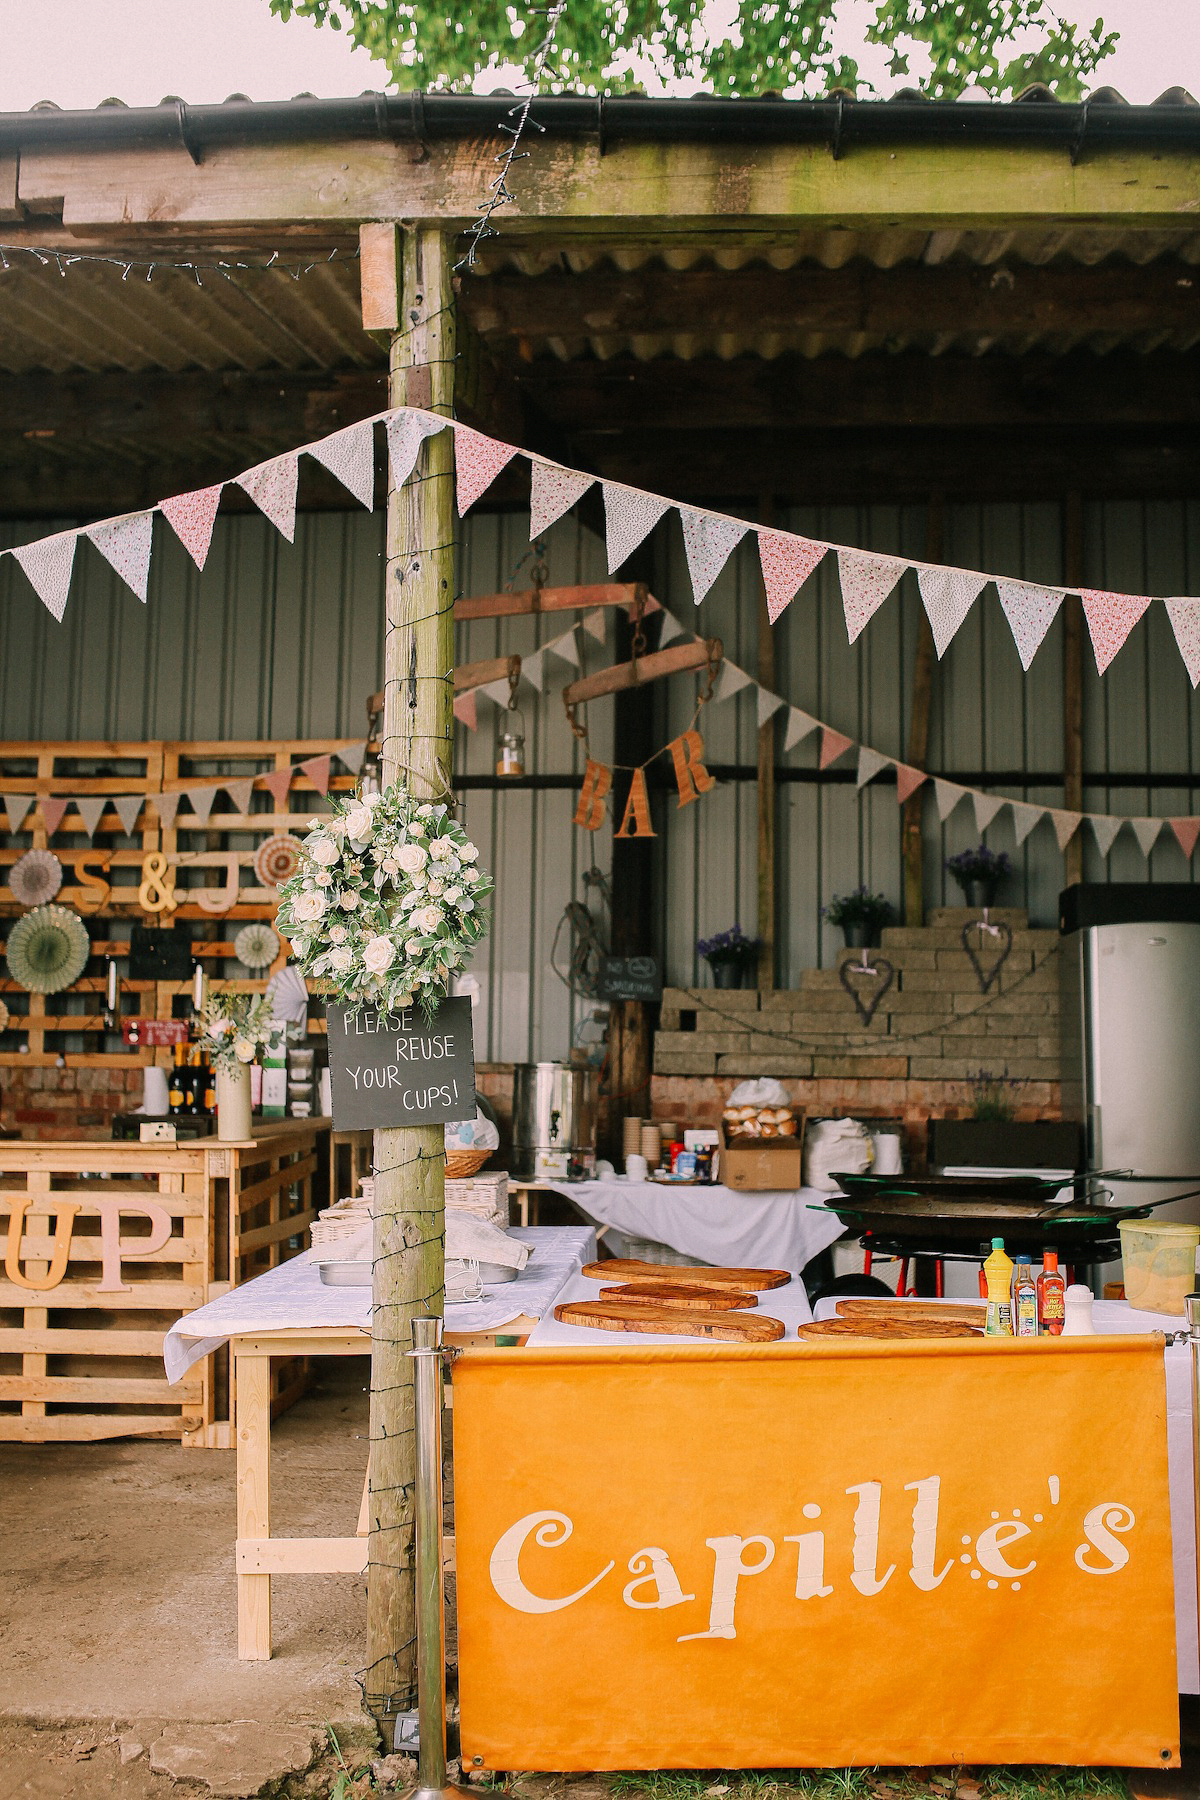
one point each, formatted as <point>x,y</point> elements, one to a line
<point>1065,824</point>
<point>477,462</point>
<point>17,807</point>
<point>166,806</point>
<point>191,517</point>
<point>1030,612</point>
<point>1111,618</point>
<point>948,596</point>
<point>908,780</point>
<point>628,518</point>
<point>277,782</point>
<point>317,768</point>
<point>128,808</point>
<point>201,800</point>
<point>870,762</point>
<point>406,432</point>
<point>48,564</point>
<point>352,757</point>
<point>986,808</point>
<point>466,711</point>
<point>272,487</point>
<point>90,808</point>
<point>239,792</point>
<point>946,795</point>
<point>595,624</point>
<point>1185,623</point>
<point>708,543</point>
<point>565,648</point>
<point>350,455</point>
<point>553,491</point>
<point>1025,817</point>
<point>52,809</point>
<point>787,562</point>
<point>766,705</point>
<point>533,668</point>
<point>730,681</point>
<point>495,691</point>
<point>1187,831</point>
<point>1104,830</point>
<point>799,726</point>
<point>866,581</point>
<point>833,745</point>
<point>1146,831</point>
<point>125,544</point>
<point>671,629</point>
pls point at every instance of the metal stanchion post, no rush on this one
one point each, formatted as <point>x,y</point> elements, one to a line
<point>431,1611</point>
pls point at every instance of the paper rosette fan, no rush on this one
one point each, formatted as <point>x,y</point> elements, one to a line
<point>277,859</point>
<point>3,1016</point>
<point>47,949</point>
<point>36,877</point>
<point>256,946</point>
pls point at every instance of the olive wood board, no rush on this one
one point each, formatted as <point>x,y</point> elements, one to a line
<point>888,1328</point>
<point>744,1280</point>
<point>628,1315</point>
<point>665,1293</point>
<point>965,1314</point>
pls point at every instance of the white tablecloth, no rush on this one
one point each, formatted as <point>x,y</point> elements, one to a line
<point>721,1225</point>
<point>788,1303</point>
<point>293,1297</point>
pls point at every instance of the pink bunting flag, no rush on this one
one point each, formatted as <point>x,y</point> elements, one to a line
<point>1111,618</point>
<point>317,770</point>
<point>1030,612</point>
<point>350,455</point>
<point>125,544</point>
<point>166,806</point>
<point>1185,623</point>
<point>90,808</point>
<point>787,562</point>
<point>1105,830</point>
<point>948,596</point>
<point>406,432</point>
<point>52,809</point>
<point>466,711</point>
<point>128,809</point>
<point>239,792</point>
<point>191,517</point>
<point>908,780</point>
<point>629,516</point>
<point>1065,823</point>
<point>1187,831</point>
<point>277,782</point>
<point>48,564</point>
<point>272,487</point>
<point>866,581</point>
<point>478,460</point>
<point>553,492</point>
<point>708,542</point>
<point>833,745</point>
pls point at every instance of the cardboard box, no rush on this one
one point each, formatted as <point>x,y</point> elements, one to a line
<point>759,1165</point>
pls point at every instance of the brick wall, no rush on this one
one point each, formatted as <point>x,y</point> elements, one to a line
<point>57,1104</point>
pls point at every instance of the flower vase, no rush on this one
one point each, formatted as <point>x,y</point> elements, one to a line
<point>727,973</point>
<point>978,893</point>
<point>859,934</point>
<point>233,1104</point>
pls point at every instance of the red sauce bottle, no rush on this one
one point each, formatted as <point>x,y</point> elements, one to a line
<point>1051,1288</point>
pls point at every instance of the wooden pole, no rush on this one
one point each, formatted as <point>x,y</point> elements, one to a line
<point>1073,683</point>
<point>767,735</point>
<point>410,1162</point>
<point>912,850</point>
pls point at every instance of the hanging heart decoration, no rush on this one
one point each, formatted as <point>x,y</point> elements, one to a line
<point>1002,934</point>
<point>867,1006</point>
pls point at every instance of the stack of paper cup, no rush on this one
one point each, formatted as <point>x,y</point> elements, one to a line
<point>652,1145</point>
<point>631,1137</point>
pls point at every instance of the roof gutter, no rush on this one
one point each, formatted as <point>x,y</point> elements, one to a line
<point>415,117</point>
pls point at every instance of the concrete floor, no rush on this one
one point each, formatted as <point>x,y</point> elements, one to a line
<point>117,1590</point>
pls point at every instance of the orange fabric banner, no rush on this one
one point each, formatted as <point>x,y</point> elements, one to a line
<point>815,1555</point>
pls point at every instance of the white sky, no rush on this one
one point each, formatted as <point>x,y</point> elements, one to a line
<point>79,52</point>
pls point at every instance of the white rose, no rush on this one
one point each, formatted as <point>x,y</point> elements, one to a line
<point>411,858</point>
<point>435,885</point>
<point>391,865</point>
<point>337,934</point>
<point>323,850</point>
<point>428,919</point>
<point>468,853</point>
<point>324,878</point>
<point>441,848</point>
<point>378,954</point>
<point>309,906</point>
<point>412,949</point>
<point>358,822</point>
<point>348,899</point>
<point>243,1049</point>
<point>341,959</point>
<point>453,895</point>
<point>425,812</point>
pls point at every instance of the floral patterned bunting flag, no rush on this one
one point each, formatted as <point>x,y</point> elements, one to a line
<point>552,492</point>
<point>1111,618</point>
<point>1030,612</point>
<point>477,460</point>
<point>948,596</point>
<point>350,455</point>
<point>708,542</point>
<point>48,564</point>
<point>866,581</point>
<point>787,562</point>
<point>191,518</point>
<point>628,518</point>
<point>406,431</point>
<point>272,487</point>
<point>125,544</point>
<point>1185,623</point>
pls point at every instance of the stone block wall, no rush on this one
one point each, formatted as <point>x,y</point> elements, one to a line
<point>55,1105</point>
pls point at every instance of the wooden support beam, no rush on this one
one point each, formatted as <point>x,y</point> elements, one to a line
<point>72,409</point>
<point>379,276</point>
<point>483,673</point>
<point>676,659</point>
<point>556,599</point>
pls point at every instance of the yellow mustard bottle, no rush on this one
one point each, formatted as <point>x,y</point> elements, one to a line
<point>998,1273</point>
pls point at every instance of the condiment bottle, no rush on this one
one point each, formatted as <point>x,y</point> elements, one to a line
<point>998,1270</point>
<point>1051,1287</point>
<point>1077,1306</point>
<point>1024,1302</point>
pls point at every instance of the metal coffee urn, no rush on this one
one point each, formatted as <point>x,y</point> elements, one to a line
<point>554,1121</point>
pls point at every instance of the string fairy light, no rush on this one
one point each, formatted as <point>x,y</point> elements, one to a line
<point>225,267</point>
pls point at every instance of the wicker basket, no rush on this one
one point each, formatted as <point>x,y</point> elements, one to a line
<point>461,1163</point>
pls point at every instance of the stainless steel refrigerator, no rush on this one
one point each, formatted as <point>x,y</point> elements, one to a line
<point>1130,966</point>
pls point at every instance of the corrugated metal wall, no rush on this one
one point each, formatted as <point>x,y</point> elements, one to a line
<point>280,641</point>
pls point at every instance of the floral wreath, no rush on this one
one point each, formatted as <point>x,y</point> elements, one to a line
<point>388,903</point>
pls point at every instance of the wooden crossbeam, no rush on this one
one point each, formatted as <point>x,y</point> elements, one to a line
<point>557,599</point>
<point>676,659</point>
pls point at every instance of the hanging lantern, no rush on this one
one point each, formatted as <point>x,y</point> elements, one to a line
<point>510,728</point>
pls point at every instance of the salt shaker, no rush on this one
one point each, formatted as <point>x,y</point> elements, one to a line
<point>1077,1304</point>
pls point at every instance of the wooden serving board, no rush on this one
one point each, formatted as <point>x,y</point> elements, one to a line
<point>965,1314</point>
<point>629,1315</point>
<point>745,1280</point>
<point>897,1329</point>
<point>665,1293</point>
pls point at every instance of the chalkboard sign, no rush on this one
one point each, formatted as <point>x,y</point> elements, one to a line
<point>399,1070</point>
<point>629,978</point>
